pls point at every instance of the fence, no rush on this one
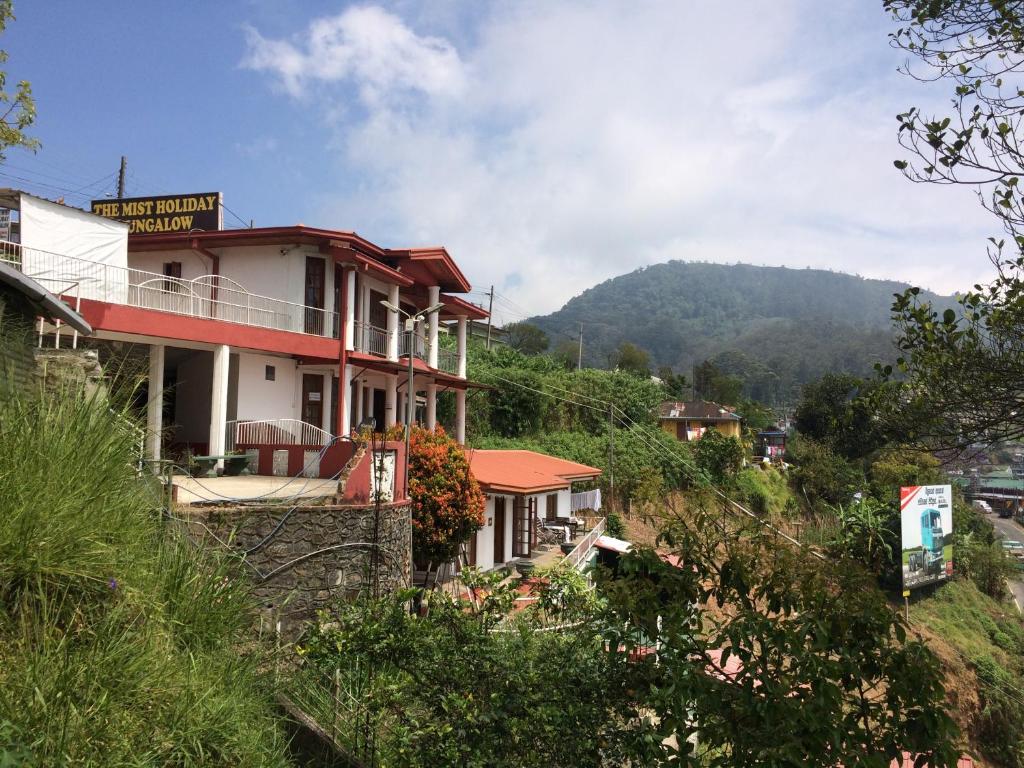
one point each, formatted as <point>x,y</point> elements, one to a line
<point>274,432</point>
<point>208,296</point>
<point>371,339</point>
<point>579,556</point>
<point>448,361</point>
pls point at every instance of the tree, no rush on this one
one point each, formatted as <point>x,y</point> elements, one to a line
<point>526,338</point>
<point>963,368</point>
<point>710,383</point>
<point>19,108</point>
<point>718,455</point>
<point>632,359</point>
<point>676,385</point>
<point>447,503</point>
<point>792,640</point>
<point>836,411</point>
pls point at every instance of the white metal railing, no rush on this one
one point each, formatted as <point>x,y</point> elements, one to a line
<point>371,339</point>
<point>581,553</point>
<point>274,432</point>
<point>585,500</point>
<point>419,346</point>
<point>448,361</point>
<point>208,296</point>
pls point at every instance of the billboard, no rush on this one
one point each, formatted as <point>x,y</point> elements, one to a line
<point>166,213</point>
<point>926,527</point>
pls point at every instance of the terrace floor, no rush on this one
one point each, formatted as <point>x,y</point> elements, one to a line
<point>204,490</point>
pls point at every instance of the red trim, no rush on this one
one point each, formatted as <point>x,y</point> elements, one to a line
<point>402,367</point>
<point>119,318</point>
<point>440,263</point>
<point>455,306</point>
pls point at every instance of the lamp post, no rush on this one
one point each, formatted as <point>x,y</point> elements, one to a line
<point>410,395</point>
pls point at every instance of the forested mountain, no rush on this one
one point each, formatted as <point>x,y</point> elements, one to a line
<point>774,327</point>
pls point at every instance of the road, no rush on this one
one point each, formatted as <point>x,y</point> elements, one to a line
<point>1010,530</point>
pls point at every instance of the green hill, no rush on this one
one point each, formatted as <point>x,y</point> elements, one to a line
<point>775,327</point>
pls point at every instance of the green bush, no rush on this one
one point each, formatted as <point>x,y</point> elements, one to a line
<point>118,641</point>
<point>614,526</point>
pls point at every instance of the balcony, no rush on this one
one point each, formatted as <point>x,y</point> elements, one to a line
<point>370,339</point>
<point>208,297</point>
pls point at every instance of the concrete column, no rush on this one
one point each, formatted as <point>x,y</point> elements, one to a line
<point>155,407</point>
<point>219,400</point>
<point>431,404</point>
<point>345,388</point>
<point>462,346</point>
<point>391,401</point>
<point>460,415</point>
<point>350,309</point>
<point>358,398</point>
<point>433,296</point>
<point>393,324</point>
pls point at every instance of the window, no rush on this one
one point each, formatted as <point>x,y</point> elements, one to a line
<point>172,269</point>
<point>270,374</point>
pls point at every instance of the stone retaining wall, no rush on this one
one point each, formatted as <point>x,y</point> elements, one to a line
<point>318,555</point>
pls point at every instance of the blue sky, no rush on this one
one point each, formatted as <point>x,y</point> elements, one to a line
<point>550,144</point>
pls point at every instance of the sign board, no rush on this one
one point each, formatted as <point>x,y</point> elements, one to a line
<point>926,528</point>
<point>166,213</point>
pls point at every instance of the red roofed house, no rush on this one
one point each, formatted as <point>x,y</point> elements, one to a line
<point>523,489</point>
<point>270,339</point>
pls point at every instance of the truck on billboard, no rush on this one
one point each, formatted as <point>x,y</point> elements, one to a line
<point>926,527</point>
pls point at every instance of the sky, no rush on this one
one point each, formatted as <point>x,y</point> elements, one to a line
<point>548,144</point>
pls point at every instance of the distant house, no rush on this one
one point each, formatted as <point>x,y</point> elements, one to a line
<point>770,443</point>
<point>690,420</point>
<point>22,301</point>
<point>524,490</point>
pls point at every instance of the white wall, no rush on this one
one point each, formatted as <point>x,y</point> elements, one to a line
<point>485,540</point>
<point>262,399</point>
<point>193,265</point>
<point>564,503</point>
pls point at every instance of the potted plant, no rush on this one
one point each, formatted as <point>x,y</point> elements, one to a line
<point>524,567</point>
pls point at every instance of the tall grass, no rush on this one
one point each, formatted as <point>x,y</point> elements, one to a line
<point>119,644</point>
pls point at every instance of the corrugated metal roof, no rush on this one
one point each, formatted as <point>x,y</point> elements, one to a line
<point>702,410</point>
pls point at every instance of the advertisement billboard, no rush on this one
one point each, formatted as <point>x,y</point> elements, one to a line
<point>165,213</point>
<point>926,528</point>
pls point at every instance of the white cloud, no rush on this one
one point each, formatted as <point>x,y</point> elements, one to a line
<point>365,44</point>
<point>569,141</point>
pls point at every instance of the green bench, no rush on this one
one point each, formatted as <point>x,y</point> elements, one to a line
<point>234,464</point>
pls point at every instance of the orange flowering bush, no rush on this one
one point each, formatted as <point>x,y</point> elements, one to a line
<point>447,503</point>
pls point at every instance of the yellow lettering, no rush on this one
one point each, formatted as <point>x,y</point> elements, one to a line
<point>212,201</point>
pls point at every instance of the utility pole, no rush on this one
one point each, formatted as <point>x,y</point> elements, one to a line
<point>490,309</point>
<point>611,459</point>
<point>120,176</point>
<point>579,359</point>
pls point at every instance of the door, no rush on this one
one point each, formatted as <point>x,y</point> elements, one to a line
<point>499,530</point>
<point>313,399</point>
<point>316,271</point>
<point>520,527</point>
<point>551,512</point>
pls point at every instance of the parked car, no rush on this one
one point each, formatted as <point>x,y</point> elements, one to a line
<point>983,506</point>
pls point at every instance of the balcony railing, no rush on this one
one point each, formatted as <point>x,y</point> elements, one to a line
<point>209,296</point>
<point>419,346</point>
<point>274,432</point>
<point>371,339</point>
<point>581,553</point>
<point>448,361</point>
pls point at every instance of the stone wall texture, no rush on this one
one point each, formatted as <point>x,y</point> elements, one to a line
<point>305,558</point>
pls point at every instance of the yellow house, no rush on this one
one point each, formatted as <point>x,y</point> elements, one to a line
<point>688,421</point>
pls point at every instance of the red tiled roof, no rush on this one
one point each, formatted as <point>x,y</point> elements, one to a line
<point>525,471</point>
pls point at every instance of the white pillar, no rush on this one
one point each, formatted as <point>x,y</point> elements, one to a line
<point>390,401</point>
<point>350,308</point>
<point>358,410</point>
<point>462,346</point>
<point>393,324</point>
<point>219,400</point>
<point>460,415</point>
<point>345,390</point>
<point>155,407</point>
<point>431,404</point>
<point>433,296</point>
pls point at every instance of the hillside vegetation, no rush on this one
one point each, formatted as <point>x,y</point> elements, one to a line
<point>119,643</point>
<point>777,328</point>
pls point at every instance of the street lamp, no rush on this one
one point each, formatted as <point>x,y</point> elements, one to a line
<point>410,395</point>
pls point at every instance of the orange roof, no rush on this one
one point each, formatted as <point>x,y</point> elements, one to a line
<point>525,471</point>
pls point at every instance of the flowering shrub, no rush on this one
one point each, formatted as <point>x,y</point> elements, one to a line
<point>447,503</point>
